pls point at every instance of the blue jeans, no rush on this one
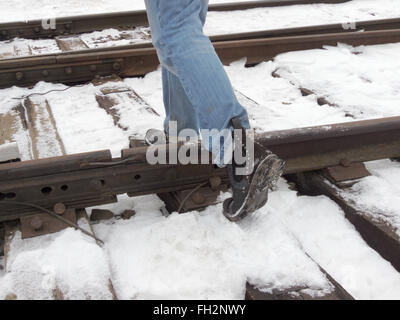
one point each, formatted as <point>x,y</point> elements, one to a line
<point>196,89</point>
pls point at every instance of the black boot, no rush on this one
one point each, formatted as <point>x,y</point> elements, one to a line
<point>250,192</point>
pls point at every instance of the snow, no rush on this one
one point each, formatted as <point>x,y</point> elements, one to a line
<point>320,226</point>
<point>77,114</point>
<point>300,15</point>
<point>379,193</point>
<point>21,10</point>
<point>113,37</point>
<point>127,103</point>
<point>69,261</point>
<point>202,255</point>
<point>356,79</point>
<point>9,152</point>
<point>280,103</point>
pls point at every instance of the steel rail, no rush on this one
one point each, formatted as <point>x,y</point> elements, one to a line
<point>269,3</point>
<point>136,60</point>
<point>122,20</point>
<point>354,26</point>
<point>91,179</point>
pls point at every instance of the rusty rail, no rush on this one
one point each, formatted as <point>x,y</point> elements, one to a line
<point>137,60</point>
<point>121,20</point>
<point>315,148</point>
<point>84,180</point>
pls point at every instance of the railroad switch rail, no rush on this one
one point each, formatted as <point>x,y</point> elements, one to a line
<point>138,60</point>
<point>95,178</point>
<point>121,20</point>
<point>355,26</point>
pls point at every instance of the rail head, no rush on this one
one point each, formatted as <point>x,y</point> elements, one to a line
<point>338,130</point>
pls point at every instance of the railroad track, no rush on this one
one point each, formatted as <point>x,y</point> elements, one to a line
<point>95,178</point>
<point>121,20</point>
<point>76,63</point>
<point>137,60</point>
<point>76,44</point>
<point>39,193</point>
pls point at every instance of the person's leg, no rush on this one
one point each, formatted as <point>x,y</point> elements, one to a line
<point>178,108</point>
<point>183,49</point>
<point>204,11</point>
<point>177,105</point>
<point>185,52</point>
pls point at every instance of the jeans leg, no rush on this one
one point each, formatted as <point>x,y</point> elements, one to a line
<point>178,108</point>
<point>183,49</point>
<point>203,12</point>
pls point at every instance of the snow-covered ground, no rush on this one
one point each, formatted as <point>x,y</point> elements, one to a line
<point>68,261</point>
<point>300,15</point>
<point>201,254</point>
<point>379,194</point>
<point>359,80</point>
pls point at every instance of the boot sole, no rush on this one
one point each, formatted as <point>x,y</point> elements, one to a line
<point>266,176</point>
